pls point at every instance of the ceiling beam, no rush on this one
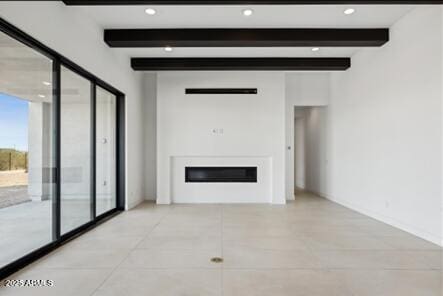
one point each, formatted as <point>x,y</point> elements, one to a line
<point>249,2</point>
<point>240,64</point>
<point>245,37</point>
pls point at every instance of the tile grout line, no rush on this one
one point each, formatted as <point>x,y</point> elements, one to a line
<point>153,228</point>
<point>127,255</point>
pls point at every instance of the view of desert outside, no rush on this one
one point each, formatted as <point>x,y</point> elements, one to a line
<point>26,153</point>
<point>13,151</point>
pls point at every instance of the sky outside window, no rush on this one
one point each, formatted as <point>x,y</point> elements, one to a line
<point>13,122</point>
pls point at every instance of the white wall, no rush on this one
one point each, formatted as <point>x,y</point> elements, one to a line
<point>68,31</point>
<point>150,135</point>
<point>301,89</point>
<point>316,161</point>
<point>299,150</point>
<point>384,141</point>
<point>253,125</point>
<point>441,213</point>
<point>307,88</point>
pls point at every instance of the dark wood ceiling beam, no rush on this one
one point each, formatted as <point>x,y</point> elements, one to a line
<point>240,64</point>
<point>250,2</point>
<point>246,37</point>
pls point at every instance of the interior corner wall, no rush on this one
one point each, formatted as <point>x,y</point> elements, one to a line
<point>70,32</point>
<point>385,128</point>
<point>150,135</point>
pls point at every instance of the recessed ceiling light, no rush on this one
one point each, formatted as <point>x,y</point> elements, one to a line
<point>150,11</point>
<point>248,12</point>
<point>168,48</point>
<point>41,96</point>
<point>315,49</point>
<point>349,11</point>
<point>46,83</point>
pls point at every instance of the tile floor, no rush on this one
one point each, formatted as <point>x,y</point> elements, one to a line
<point>308,247</point>
<point>27,226</point>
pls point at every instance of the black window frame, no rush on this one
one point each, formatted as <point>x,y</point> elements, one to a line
<point>58,61</point>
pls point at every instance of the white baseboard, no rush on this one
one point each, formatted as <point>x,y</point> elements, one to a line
<point>162,202</point>
<point>133,204</point>
<point>436,239</point>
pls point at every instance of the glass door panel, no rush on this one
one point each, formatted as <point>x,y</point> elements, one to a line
<point>26,150</point>
<point>75,142</point>
<point>58,154</point>
<point>105,151</point>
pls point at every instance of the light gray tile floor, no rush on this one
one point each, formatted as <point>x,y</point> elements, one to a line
<point>27,226</point>
<point>309,247</point>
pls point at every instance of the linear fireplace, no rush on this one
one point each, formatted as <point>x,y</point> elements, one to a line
<point>221,174</point>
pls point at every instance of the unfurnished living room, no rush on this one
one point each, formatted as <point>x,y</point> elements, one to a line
<point>221,148</point>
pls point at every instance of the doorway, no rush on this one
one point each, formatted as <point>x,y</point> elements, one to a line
<point>310,149</point>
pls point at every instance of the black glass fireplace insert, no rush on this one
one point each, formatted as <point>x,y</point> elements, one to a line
<point>221,174</point>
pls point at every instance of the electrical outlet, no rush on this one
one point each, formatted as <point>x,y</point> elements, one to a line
<point>217,131</point>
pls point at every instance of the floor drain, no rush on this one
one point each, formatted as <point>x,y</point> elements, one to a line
<point>217,260</point>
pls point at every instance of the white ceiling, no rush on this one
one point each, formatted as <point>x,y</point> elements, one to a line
<point>265,16</point>
<point>23,70</point>
<point>272,16</point>
<point>241,52</point>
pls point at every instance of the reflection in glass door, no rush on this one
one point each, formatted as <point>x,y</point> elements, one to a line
<point>75,145</point>
<point>59,147</point>
<point>105,151</point>
<point>26,150</point>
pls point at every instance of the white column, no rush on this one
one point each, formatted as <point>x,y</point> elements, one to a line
<point>39,155</point>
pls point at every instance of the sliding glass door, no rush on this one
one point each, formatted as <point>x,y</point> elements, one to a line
<point>106,151</point>
<point>27,131</point>
<point>61,141</point>
<point>75,153</point>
